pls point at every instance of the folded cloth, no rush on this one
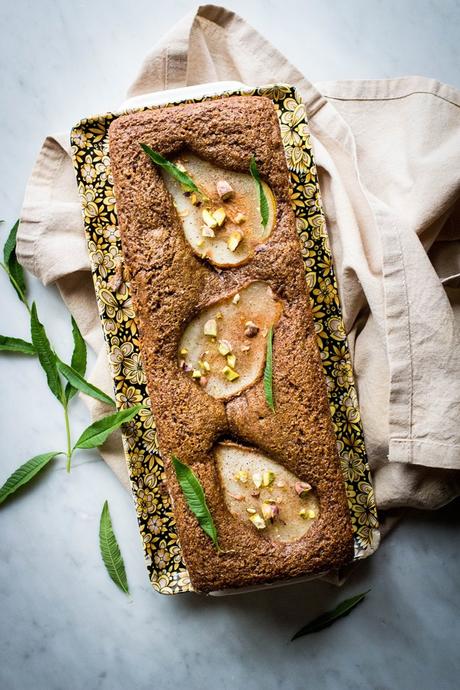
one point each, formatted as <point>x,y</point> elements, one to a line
<point>388,155</point>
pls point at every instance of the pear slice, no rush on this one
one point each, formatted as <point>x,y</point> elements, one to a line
<point>223,349</point>
<point>242,212</point>
<point>286,515</point>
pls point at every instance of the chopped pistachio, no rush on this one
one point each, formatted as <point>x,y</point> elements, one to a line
<point>251,511</point>
<point>224,347</point>
<point>207,232</point>
<point>210,328</point>
<point>231,361</point>
<point>239,218</point>
<point>257,479</point>
<point>241,476</point>
<point>236,298</point>
<point>257,521</point>
<point>194,199</point>
<point>230,374</point>
<point>196,374</point>
<point>203,364</point>
<point>234,239</point>
<point>200,242</point>
<point>250,329</point>
<point>302,488</point>
<point>219,216</point>
<point>267,477</point>
<point>307,514</point>
<point>269,511</point>
<point>219,315</point>
<point>179,165</point>
<point>208,218</point>
<point>224,189</point>
<point>184,351</point>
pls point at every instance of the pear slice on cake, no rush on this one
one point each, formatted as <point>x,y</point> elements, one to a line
<point>223,223</point>
<point>224,347</point>
<point>264,494</point>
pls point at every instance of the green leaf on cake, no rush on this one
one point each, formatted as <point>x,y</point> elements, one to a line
<point>327,619</point>
<point>268,371</point>
<point>263,203</point>
<point>171,169</point>
<point>195,498</point>
<point>110,551</point>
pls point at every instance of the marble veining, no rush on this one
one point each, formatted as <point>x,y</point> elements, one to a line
<point>63,624</point>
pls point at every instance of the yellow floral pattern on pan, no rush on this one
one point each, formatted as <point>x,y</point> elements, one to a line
<point>89,140</point>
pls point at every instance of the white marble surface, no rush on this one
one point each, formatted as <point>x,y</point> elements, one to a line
<point>63,624</point>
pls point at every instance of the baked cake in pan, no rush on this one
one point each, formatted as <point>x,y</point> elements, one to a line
<point>215,279</point>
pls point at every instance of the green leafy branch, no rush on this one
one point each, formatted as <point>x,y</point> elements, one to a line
<point>64,380</point>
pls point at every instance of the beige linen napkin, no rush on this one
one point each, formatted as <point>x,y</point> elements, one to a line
<point>388,155</point>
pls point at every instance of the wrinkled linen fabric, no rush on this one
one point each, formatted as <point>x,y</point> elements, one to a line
<point>388,157</point>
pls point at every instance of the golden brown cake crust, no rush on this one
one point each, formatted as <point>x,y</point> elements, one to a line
<point>171,285</point>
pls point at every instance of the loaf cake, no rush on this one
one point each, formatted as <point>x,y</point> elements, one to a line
<point>214,277</point>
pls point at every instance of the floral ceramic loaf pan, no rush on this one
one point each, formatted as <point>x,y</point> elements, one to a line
<point>247,461</point>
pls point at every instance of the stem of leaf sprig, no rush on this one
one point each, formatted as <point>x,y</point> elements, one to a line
<point>67,433</point>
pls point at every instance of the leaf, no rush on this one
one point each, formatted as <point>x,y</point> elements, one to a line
<point>79,350</point>
<point>110,551</point>
<point>268,372</point>
<point>263,203</point>
<point>327,619</point>
<point>25,473</point>
<point>8,344</point>
<point>96,433</point>
<point>15,270</point>
<point>10,245</point>
<point>78,362</point>
<point>79,383</point>
<point>170,168</point>
<point>195,498</point>
<point>45,354</point>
